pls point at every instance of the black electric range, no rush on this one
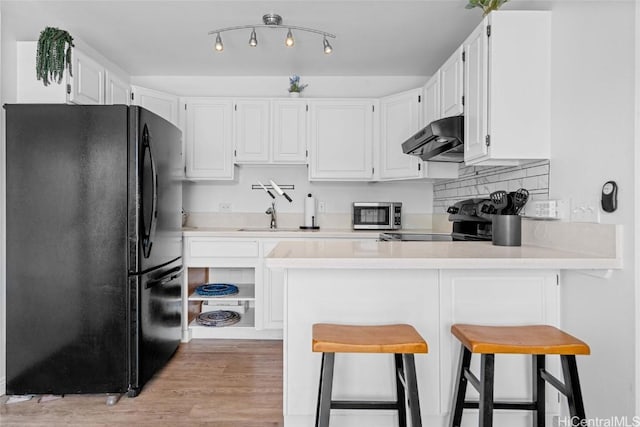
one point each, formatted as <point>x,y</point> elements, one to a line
<point>470,223</point>
<point>414,237</point>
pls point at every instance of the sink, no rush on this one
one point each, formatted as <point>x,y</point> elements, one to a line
<point>269,229</point>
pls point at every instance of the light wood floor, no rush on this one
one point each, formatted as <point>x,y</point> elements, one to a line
<point>218,383</point>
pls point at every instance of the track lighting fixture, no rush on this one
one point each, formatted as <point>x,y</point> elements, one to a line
<point>289,41</point>
<point>219,46</point>
<point>327,47</point>
<point>272,20</point>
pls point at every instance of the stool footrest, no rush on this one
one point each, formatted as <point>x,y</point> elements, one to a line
<point>556,383</point>
<point>517,406</point>
<point>475,382</point>
<point>364,404</point>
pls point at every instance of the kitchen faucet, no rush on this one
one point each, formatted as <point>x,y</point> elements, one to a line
<point>272,211</point>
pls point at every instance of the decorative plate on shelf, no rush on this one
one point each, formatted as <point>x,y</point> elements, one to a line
<point>218,318</point>
<point>216,289</point>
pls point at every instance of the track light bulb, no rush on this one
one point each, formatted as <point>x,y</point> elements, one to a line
<point>253,41</point>
<point>327,47</point>
<point>289,41</point>
<point>219,46</point>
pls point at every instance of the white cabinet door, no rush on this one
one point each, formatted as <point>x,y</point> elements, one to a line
<point>431,100</point>
<point>491,297</point>
<point>289,131</point>
<point>161,103</point>
<point>117,90</point>
<point>209,145</point>
<point>399,120</point>
<point>476,79</point>
<point>251,130</point>
<point>272,301</point>
<point>341,140</point>
<point>508,89</point>
<point>87,82</point>
<point>451,85</point>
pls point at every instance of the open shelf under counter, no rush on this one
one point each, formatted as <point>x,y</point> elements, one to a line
<point>244,329</point>
<point>246,292</point>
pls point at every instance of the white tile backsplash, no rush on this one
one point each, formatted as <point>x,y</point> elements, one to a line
<point>480,181</point>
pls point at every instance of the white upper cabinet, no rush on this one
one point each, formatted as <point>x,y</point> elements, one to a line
<point>91,82</point>
<point>270,131</point>
<point>451,85</point>
<point>431,100</point>
<point>341,140</point>
<point>117,90</point>
<point>208,137</point>
<point>161,103</point>
<point>251,130</point>
<point>289,131</point>
<point>399,120</point>
<point>507,88</point>
<point>88,80</point>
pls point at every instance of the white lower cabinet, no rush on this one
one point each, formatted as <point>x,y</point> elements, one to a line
<point>223,260</point>
<point>237,261</point>
<point>431,300</point>
<point>490,297</point>
<point>272,292</point>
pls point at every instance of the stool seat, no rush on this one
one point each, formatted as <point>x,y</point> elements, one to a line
<point>397,339</point>
<point>400,340</point>
<point>530,339</point>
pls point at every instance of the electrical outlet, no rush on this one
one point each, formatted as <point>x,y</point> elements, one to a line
<point>225,207</point>
<point>321,207</point>
<point>585,211</point>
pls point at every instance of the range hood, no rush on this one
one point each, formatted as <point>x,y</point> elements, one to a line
<point>440,141</point>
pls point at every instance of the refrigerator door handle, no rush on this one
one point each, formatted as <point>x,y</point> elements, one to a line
<point>170,276</point>
<point>148,234</point>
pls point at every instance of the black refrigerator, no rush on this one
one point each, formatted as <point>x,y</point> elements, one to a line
<point>94,245</point>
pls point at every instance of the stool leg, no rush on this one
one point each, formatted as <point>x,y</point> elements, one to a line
<point>402,400</point>
<point>486,390</point>
<point>460,391</point>
<point>572,385</point>
<point>538,365</point>
<point>412,389</point>
<point>324,390</point>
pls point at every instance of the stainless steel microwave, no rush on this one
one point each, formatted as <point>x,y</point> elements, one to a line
<point>376,215</point>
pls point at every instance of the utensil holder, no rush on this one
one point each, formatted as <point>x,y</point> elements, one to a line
<point>507,230</point>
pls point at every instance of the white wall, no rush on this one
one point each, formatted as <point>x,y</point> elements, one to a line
<point>637,204</point>
<point>592,141</point>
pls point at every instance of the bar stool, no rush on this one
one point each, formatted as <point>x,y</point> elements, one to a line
<point>401,340</point>
<point>536,340</point>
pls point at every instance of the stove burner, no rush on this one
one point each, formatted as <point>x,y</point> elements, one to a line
<point>415,237</point>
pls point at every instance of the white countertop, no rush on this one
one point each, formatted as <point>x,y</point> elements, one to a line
<point>421,255</point>
<point>285,232</point>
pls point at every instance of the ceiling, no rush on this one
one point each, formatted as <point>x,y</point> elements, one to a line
<point>151,37</point>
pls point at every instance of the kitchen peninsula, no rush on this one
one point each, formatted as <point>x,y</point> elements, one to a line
<point>429,285</point>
